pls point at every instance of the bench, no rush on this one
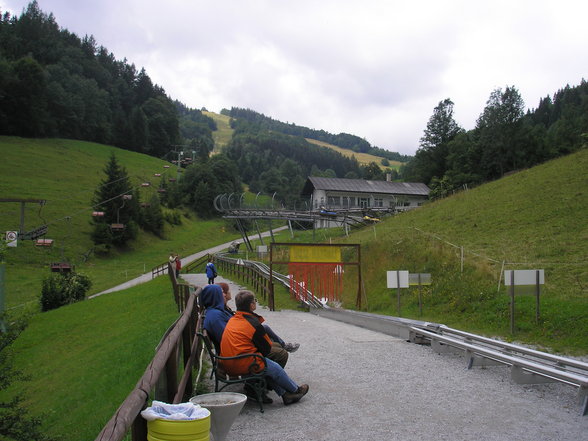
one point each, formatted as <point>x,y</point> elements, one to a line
<point>255,380</point>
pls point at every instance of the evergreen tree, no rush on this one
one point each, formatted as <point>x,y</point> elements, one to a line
<point>118,201</point>
<point>498,129</point>
<point>430,159</point>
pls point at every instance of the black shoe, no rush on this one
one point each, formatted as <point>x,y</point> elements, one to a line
<point>252,395</point>
<point>294,397</point>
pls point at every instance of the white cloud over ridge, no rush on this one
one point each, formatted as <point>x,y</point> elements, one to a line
<point>375,69</point>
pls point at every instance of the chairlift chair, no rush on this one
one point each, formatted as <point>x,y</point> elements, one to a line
<point>166,166</point>
<point>61,267</point>
<point>118,226</point>
<point>157,175</point>
<point>98,214</point>
<point>145,184</point>
<point>44,242</point>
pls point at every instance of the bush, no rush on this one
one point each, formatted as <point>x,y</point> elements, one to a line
<point>62,289</point>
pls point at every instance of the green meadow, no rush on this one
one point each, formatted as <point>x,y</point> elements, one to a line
<point>83,359</point>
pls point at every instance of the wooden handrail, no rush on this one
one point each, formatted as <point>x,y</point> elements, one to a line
<point>128,414</point>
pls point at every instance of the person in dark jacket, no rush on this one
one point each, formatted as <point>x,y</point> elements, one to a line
<point>216,316</point>
<point>210,271</point>
<point>244,334</point>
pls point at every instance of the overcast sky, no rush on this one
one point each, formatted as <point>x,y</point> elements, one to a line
<point>375,69</point>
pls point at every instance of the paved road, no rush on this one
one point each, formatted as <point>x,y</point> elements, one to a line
<point>185,261</point>
<point>369,386</point>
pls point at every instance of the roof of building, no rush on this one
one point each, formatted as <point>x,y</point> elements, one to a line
<point>364,186</point>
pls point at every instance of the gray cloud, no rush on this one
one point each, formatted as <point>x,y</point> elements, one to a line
<point>375,68</point>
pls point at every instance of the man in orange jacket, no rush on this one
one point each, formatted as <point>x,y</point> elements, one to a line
<point>244,334</point>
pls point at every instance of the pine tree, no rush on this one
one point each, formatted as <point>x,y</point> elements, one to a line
<point>119,203</point>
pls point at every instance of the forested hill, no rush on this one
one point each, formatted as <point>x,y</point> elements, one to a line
<point>343,140</point>
<point>55,84</point>
<point>505,139</point>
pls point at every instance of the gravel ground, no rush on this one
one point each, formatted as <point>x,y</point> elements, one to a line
<point>371,386</point>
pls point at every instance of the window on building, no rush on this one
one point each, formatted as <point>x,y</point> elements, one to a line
<point>334,201</point>
<point>364,202</point>
<point>378,202</point>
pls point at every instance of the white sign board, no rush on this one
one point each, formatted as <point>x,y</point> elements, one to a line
<point>11,238</point>
<point>524,277</point>
<point>396,278</point>
<point>262,248</point>
<point>420,279</point>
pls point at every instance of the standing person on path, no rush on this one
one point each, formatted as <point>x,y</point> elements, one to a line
<point>178,266</point>
<point>210,271</point>
<point>173,262</point>
<point>244,334</point>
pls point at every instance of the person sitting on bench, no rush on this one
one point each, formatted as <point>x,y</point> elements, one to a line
<point>290,347</point>
<point>244,334</point>
<point>218,314</point>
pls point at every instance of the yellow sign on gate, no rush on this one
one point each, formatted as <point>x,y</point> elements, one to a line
<point>318,254</point>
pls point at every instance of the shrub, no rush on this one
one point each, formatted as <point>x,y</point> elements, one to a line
<point>62,289</point>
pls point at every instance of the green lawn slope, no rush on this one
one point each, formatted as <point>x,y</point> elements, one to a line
<point>533,219</point>
<point>66,173</point>
<point>83,360</point>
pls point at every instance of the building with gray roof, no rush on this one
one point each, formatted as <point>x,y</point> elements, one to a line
<point>341,194</point>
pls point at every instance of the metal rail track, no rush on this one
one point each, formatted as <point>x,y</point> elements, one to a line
<point>528,366</point>
<point>282,279</point>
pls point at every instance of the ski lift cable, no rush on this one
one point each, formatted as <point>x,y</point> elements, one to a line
<point>91,208</point>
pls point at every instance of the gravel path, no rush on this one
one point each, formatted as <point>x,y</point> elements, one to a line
<point>371,386</point>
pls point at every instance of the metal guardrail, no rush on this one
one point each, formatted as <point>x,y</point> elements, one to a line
<point>264,271</point>
<point>528,366</point>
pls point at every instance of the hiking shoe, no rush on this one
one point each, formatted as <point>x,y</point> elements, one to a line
<point>294,397</point>
<point>291,347</point>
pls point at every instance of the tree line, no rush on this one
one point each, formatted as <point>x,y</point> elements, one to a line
<point>505,139</point>
<point>55,84</point>
<point>343,140</point>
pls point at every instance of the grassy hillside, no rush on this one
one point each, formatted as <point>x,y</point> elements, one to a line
<point>224,133</point>
<point>65,173</point>
<point>84,359</point>
<point>222,136</point>
<point>534,219</point>
<point>362,158</point>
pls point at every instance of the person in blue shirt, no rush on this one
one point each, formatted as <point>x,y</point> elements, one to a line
<point>210,271</point>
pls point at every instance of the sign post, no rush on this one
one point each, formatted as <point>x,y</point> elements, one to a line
<point>514,278</point>
<point>11,239</point>
<point>420,279</point>
<point>397,279</point>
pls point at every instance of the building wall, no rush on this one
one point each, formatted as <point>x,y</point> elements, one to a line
<point>341,200</point>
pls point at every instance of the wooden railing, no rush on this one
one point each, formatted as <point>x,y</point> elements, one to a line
<point>161,376</point>
<point>259,281</point>
<point>159,270</point>
<point>197,265</point>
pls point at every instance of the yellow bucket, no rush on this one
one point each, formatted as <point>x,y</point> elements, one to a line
<point>183,430</point>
